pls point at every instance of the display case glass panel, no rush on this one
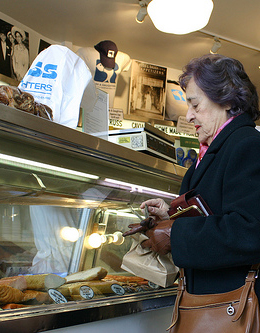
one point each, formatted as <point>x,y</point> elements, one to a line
<point>57,221</point>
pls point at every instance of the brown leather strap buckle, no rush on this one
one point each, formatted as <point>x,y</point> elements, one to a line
<point>181,284</point>
<point>183,279</point>
<point>256,271</point>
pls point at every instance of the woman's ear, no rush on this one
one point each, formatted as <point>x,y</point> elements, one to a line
<point>227,107</point>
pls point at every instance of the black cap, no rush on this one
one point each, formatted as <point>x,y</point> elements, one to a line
<point>108,51</point>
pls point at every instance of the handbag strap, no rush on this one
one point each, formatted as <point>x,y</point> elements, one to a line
<point>180,289</point>
<point>249,284</point>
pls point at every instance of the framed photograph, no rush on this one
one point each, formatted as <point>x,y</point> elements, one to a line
<point>14,51</point>
<point>147,90</point>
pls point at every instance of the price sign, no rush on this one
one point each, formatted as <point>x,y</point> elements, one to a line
<point>117,289</point>
<point>57,296</point>
<point>153,285</point>
<point>86,292</point>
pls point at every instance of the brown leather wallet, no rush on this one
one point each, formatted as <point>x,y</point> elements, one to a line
<point>188,205</point>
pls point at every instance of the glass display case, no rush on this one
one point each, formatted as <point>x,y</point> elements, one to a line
<point>65,199</point>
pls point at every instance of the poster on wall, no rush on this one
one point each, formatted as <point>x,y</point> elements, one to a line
<point>14,51</point>
<point>147,90</point>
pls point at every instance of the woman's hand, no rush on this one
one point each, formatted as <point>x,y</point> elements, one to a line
<point>159,237</point>
<point>143,226</point>
<point>157,208</point>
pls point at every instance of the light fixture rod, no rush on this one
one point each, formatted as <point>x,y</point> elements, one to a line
<point>205,32</point>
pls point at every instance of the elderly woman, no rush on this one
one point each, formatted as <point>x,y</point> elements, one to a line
<point>217,251</point>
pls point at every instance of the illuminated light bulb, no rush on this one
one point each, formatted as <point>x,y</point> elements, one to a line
<point>118,238</point>
<point>109,239</point>
<point>70,234</point>
<point>94,241</point>
<point>115,238</point>
<point>103,239</point>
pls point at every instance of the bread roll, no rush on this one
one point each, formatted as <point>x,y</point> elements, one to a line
<point>96,273</point>
<point>53,281</point>
<point>17,282</point>
<point>39,296</point>
<point>10,295</point>
<point>101,287</point>
<point>36,282</point>
<point>97,294</point>
<point>104,287</point>
<point>64,289</point>
<point>43,281</point>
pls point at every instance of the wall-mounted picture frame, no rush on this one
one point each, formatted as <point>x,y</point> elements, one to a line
<point>14,51</point>
<point>147,90</point>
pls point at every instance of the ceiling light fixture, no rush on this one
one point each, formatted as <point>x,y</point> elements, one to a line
<point>142,12</point>
<point>216,46</point>
<point>180,16</point>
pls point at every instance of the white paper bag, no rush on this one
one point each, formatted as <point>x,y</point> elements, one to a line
<point>149,265</point>
<point>58,78</point>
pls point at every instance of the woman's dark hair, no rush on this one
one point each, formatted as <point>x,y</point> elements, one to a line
<point>224,81</point>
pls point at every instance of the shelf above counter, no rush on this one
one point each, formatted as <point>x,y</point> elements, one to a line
<point>28,136</point>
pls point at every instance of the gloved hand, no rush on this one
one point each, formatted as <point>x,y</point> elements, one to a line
<point>159,237</point>
<point>143,226</point>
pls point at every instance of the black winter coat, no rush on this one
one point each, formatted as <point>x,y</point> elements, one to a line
<point>217,251</point>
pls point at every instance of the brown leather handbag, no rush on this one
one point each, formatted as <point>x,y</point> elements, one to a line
<point>236,311</point>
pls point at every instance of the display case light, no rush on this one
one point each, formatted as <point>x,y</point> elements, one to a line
<point>43,167</point>
<point>95,240</point>
<point>121,213</point>
<point>141,189</point>
<point>70,234</point>
<point>180,16</point>
<point>118,238</point>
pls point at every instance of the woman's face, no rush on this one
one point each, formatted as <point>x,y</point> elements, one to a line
<point>18,37</point>
<point>206,115</point>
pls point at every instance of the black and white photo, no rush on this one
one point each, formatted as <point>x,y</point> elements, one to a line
<point>147,90</point>
<point>14,51</point>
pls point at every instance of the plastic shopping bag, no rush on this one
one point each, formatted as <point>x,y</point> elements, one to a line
<point>58,78</point>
